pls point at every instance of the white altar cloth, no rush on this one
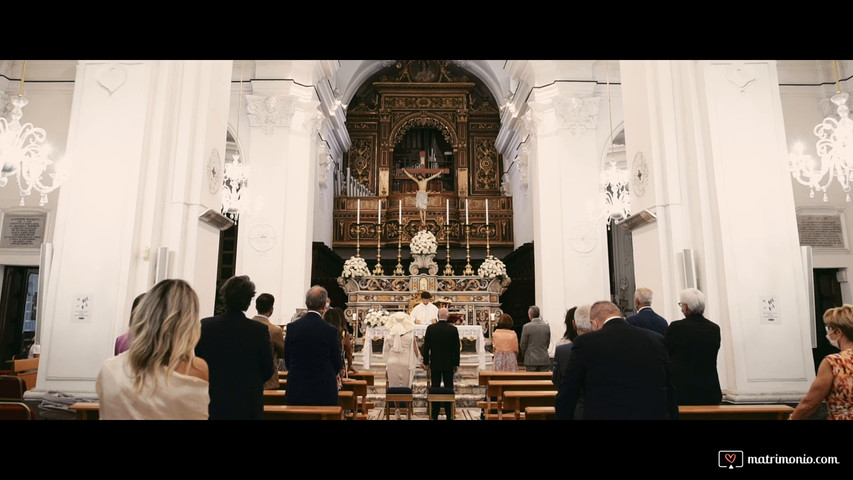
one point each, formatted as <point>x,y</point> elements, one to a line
<point>468,332</point>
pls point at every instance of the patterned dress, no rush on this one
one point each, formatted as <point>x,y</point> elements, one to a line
<point>839,402</point>
<point>505,343</point>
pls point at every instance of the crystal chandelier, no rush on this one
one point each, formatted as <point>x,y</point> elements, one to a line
<point>834,147</point>
<point>23,152</point>
<point>614,180</point>
<point>236,173</point>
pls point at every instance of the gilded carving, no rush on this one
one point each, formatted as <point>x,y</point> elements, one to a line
<point>361,159</point>
<point>486,162</point>
<point>462,181</point>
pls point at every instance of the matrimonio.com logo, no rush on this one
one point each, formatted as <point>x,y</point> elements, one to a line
<point>730,459</point>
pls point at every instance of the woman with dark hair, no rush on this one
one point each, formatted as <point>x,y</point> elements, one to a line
<point>505,344</point>
<point>335,316</point>
<point>570,333</point>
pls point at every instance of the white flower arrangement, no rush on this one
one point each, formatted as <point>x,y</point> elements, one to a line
<point>376,317</point>
<point>424,243</point>
<point>491,268</point>
<point>355,267</point>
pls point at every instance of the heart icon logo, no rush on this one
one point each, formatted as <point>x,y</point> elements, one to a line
<point>731,457</point>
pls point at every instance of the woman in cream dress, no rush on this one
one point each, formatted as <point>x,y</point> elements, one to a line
<point>159,377</point>
<point>400,350</point>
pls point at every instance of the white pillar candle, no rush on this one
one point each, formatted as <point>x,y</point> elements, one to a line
<point>358,212</point>
<point>400,210</point>
<point>379,213</point>
<point>448,212</point>
<point>487,211</point>
<point>466,211</point>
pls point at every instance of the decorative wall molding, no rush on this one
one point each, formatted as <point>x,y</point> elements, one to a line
<point>576,114</point>
<point>324,164</point>
<point>111,77</point>
<point>314,121</point>
<point>270,112</point>
<point>741,75</point>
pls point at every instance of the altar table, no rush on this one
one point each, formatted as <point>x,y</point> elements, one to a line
<point>468,332</point>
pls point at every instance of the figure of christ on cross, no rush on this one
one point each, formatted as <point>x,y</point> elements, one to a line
<point>422,195</point>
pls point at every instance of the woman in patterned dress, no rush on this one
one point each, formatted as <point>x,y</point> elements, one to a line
<point>834,380</point>
<point>505,343</point>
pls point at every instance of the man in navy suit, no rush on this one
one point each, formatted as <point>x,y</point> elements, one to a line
<point>622,372</point>
<point>645,316</point>
<point>238,353</point>
<point>312,354</point>
<point>441,355</point>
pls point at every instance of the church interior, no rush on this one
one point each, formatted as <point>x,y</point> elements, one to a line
<point>581,179</point>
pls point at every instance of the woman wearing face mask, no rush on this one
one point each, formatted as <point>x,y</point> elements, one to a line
<point>834,380</point>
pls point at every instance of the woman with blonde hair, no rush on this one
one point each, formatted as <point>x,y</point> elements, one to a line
<point>834,380</point>
<point>159,377</point>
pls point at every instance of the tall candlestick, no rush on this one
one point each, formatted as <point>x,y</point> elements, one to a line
<point>379,213</point>
<point>358,211</point>
<point>400,215</point>
<point>448,212</point>
<point>487,211</point>
<point>466,211</point>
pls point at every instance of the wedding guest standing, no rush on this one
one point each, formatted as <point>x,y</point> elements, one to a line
<point>693,343</point>
<point>158,377</point>
<point>264,304</point>
<point>834,380</point>
<point>239,353</point>
<point>535,340</point>
<point>505,343</point>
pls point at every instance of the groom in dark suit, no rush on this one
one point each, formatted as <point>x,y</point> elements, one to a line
<point>623,372</point>
<point>441,355</point>
<point>312,354</point>
<point>238,353</point>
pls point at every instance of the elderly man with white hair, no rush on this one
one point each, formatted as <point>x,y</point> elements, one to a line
<point>693,344</point>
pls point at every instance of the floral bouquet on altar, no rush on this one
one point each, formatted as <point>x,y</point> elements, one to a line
<point>376,317</point>
<point>355,267</point>
<point>492,268</point>
<point>424,243</point>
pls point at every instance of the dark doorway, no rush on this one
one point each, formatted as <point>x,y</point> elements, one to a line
<point>18,312</point>
<point>827,294</point>
<point>227,264</point>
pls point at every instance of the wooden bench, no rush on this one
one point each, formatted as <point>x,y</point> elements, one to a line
<point>497,388</point>
<point>27,370</point>
<point>734,412</point>
<point>486,375</point>
<point>518,400</point>
<point>359,388</point>
<point>302,412</point>
<point>275,397</point>
<point>365,375</point>
<point>539,413</point>
<point>697,412</point>
<point>86,410</point>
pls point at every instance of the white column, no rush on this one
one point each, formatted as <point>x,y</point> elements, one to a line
<point>282,154</point>
<point>570,246</point>
<point>715,139</point>
<point>139,138</point>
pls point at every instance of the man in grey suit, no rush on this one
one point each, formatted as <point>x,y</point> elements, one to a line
<point>535,340</point>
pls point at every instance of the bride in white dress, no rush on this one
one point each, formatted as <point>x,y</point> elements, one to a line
<point>400,350</point>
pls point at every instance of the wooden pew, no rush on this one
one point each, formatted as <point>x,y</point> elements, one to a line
<point>275,397</point>
<point>359,388</point>
<point>698,412</point>
<point>366,375</point>
<point>496,389</point>
<point>539,413</point>
<point>86,410</point>
<point>302,412</point>
<point>486,375</point>
<point>27,370</point>
<point>734,412</point>
<point>519,400</point>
